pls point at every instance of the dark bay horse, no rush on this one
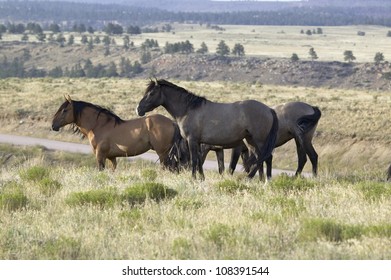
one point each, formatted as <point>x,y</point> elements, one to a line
<point>296,120</point>
<point>112,137</point>
<point>223,124</point>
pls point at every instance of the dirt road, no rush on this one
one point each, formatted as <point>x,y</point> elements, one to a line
<point>86,149</point>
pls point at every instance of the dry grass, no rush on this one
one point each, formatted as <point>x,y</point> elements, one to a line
<point>86,216</point>
<point>270,41</point>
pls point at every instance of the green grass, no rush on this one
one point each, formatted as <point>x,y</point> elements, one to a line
<point>100,197</point>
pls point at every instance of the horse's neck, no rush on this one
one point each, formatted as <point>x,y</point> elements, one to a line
<point>176,104</point>
<point>88,120</point>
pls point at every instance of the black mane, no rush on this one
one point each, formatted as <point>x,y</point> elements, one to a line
<point>193,101</point>
<point>78,107</point>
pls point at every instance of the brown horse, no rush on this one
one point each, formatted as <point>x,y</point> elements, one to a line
<point>112,137</point>
<point>297,120</point>
<point>222,124</point>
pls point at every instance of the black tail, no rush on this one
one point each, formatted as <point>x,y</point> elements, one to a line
<point>389,174</point>
<point>267,148</point>
<point>178,156</point>
<point>308,122</point>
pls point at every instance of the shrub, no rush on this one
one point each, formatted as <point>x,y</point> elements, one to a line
<point>139,192</point>
<point>13,199</point>
<point>35,173</point>
<point>100,197</point>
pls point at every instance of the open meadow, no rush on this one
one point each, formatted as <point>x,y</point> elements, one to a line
<point>258,41</point>
<point>56,205</point>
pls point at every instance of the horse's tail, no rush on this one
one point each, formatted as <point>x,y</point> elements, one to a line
<point>389,173</point>
<point>178,153</point>
<point>271,139</point>
<point>308,122</point>
<point>267,148</point>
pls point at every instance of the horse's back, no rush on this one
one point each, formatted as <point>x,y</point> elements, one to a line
<point>288,116</point>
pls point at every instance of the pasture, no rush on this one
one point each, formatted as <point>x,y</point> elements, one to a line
<point>56,205</point>
<point>59,206</point>
<point>264,41</point>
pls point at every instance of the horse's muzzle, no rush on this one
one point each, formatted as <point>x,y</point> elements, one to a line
<point>140,112</point>
<point>55,128</point>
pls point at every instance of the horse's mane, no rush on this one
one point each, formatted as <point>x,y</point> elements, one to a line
<point>79,106</point>
<point>193,101</point>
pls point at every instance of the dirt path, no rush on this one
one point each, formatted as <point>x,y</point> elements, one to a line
<point>86,149</point>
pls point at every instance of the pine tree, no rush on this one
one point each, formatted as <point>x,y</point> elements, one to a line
<point>313,54</point>
<point>348,56</point>
<point>238,50</point>
<point>222,49</point>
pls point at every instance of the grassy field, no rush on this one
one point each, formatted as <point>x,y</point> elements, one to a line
<point>270,41</point>
<point>55,205</point>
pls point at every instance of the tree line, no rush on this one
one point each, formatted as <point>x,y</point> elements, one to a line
<point>97,14</point>
<point>16,68</point>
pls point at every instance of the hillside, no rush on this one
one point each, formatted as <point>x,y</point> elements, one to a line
<point>273,71</point>
<point>211,67</point>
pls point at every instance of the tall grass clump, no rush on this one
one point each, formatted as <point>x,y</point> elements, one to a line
<point>149,174</point>
<point>374,191</point>
<point>139,192</point>
<point>329,230</point>
<point>12,197</point>
<point>61,248</point>
<point>219,234</point>
<point>35,173</point>
<point>41,177</point>
<point>101,197</point>
<point>231,186</point>
<point>286,184</point>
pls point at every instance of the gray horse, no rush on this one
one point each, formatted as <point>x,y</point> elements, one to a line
<point>221,124</point>
<point>297,120</point>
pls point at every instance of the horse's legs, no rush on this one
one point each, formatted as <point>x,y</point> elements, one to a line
<point>269,162</point>
<point>113,162</point>
<point>220,159</point>
<point>101,161</point>
<point>254,152</point>
<point>101,153</point>
<point>195,158</point>
<point>205,149</point>
<point>301,155</point>
<point>235,154</point>
<point>310,151</point>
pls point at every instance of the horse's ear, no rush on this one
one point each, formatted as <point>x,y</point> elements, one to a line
<point>68,98</point>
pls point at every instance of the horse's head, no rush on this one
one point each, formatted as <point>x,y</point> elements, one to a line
<point>153,98</point>
<point>64,114</point>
